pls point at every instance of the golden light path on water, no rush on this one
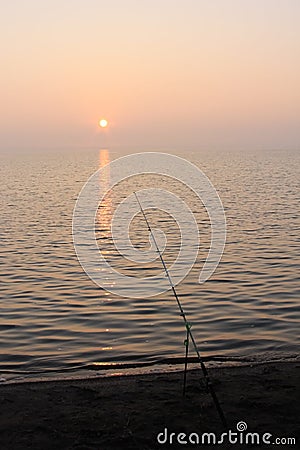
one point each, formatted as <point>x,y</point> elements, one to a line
<point>104,215</point>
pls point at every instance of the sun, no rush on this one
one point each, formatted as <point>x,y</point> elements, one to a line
<point>103,123</point>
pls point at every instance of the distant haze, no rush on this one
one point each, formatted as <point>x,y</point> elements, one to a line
<point>166,74</point>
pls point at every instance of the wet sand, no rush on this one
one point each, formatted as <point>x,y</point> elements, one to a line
<point>129,412</point>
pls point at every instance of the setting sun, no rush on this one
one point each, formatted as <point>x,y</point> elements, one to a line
<point>103,123</point>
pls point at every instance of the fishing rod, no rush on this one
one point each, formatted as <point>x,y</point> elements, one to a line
<point>187,325</point>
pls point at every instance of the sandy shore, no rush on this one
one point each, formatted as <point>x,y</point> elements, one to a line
<point>129,412</point>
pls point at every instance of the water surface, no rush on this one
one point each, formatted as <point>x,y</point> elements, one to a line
<point>54,317</point>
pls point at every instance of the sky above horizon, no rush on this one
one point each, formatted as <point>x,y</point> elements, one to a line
<point>166,74</point>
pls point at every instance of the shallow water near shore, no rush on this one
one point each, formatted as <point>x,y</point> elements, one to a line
<point>53,317</point>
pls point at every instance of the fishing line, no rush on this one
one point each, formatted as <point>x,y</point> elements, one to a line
<point>190,336</point>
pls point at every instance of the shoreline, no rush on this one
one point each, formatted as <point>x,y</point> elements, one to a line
<point>169,365</point>
<point>128,412</point>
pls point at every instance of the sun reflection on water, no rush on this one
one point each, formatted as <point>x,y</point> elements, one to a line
<point>104,214</point>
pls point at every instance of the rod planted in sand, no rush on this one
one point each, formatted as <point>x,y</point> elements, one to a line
<point>187,324</point>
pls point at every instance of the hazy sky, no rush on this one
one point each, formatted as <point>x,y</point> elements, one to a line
<point>165,73</point>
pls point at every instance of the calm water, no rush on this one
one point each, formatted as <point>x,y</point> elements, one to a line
<point>54,317</point>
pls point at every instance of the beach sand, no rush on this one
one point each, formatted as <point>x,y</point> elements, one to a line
<point>128,412</point>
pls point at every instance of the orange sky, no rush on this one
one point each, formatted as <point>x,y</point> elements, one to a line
<point>165,73</point>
